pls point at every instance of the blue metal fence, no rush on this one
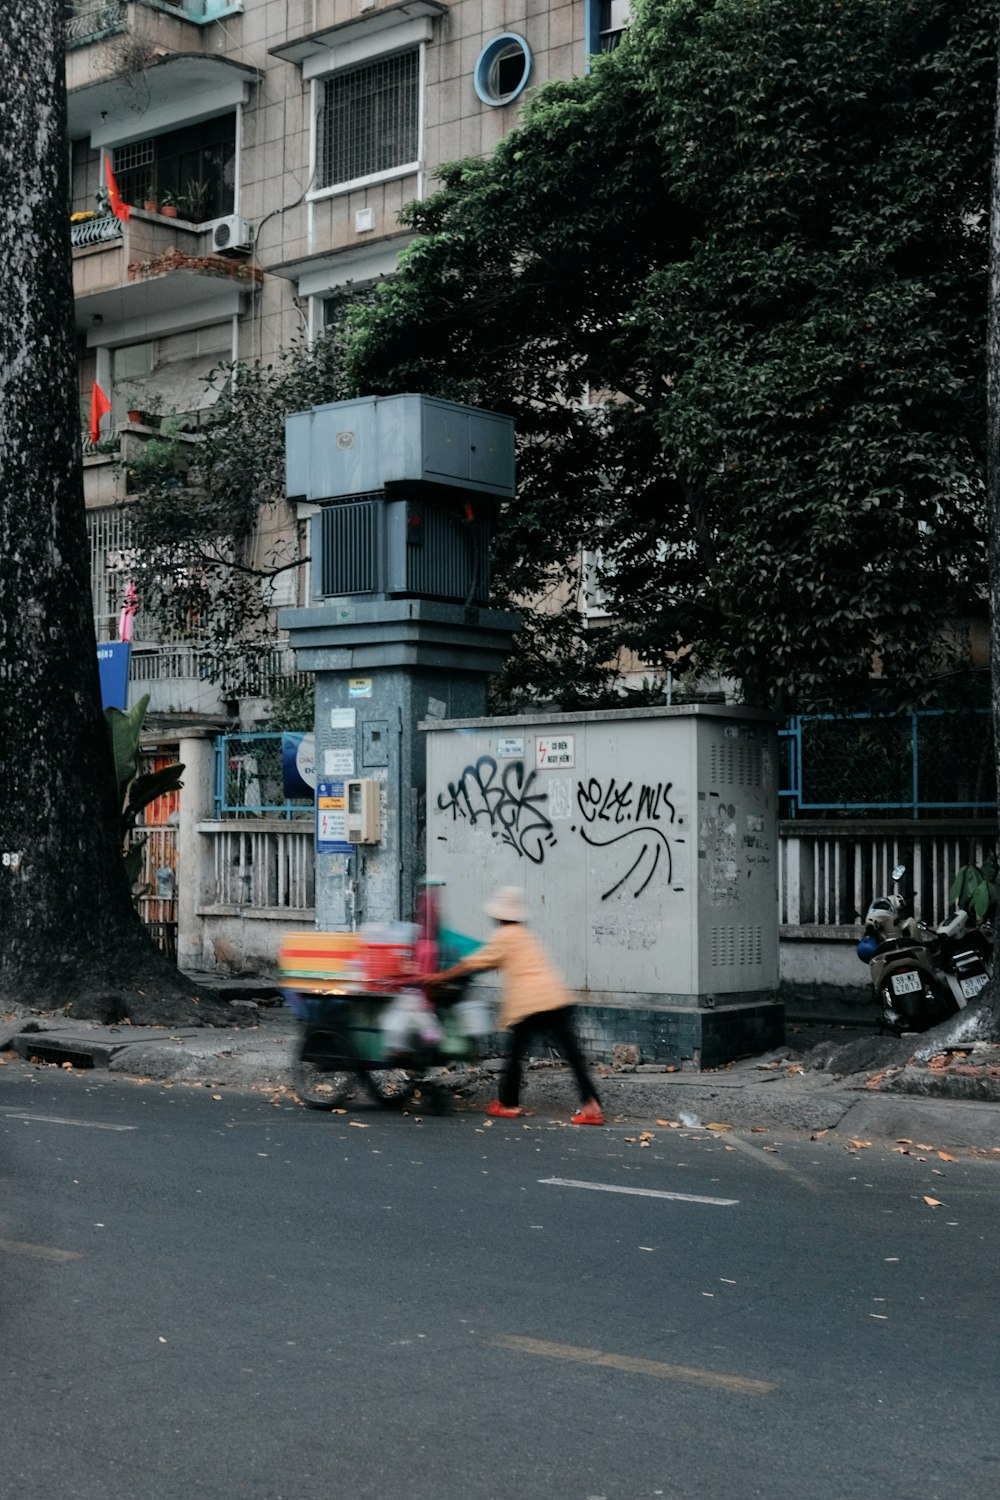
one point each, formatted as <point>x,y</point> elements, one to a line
<point>931,762</point>
<point>249,778</point>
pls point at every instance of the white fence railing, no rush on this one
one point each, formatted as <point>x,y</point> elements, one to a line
<point>96,231</point>
<point>262,864</point>
<point>261,867</point>
<point>86,20</point>
<point>829,872</point>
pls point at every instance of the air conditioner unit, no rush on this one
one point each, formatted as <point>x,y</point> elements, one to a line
<point>232,233</point>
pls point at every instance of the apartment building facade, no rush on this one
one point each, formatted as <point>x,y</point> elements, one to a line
<point>265,148</point>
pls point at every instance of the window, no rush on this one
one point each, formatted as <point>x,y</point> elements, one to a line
<point>369,120</point>
<point>612,17</point>
<point>502,69</point>
<point>168,375</point>
<point>195,165</point>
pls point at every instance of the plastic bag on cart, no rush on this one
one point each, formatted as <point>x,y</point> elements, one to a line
<point>408,1022</point>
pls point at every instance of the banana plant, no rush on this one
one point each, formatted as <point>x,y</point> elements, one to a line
<point>135,791</point>
<point>976,888</point>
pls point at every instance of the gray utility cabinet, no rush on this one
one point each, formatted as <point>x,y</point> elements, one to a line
<point>406,488</point>
<point>647,844</point>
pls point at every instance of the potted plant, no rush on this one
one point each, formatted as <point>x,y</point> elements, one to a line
<point>196,199</point>
<point>151,201</point>
<point>168,204</point>
<point>142,407</point>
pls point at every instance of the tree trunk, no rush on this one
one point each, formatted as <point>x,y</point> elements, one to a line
<point>69,935</point>
<point>991,1009</point>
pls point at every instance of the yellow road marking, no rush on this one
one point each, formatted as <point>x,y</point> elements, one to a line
<point>39,1252</point>
<point>742,1385</point>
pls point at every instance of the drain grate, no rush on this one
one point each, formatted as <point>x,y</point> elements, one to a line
<point>34,1051</point>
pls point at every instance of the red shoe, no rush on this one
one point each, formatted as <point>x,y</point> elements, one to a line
<point>590,1114</point>
<point>502,1111</point>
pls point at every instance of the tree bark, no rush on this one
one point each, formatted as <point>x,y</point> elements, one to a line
<point>69,935</point>
<point>990,1011</point>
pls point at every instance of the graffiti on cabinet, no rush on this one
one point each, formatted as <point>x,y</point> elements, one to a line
<point>624,816</point>
<point>506,801</point>
<point>615,812</point>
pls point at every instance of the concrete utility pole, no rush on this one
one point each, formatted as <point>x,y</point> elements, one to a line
<point>400,492</point>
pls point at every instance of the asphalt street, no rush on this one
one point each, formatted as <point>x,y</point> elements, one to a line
<point>213,1294</point>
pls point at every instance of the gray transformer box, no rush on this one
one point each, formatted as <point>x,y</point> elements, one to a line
<point>381,443</point>
<point>646,842</point>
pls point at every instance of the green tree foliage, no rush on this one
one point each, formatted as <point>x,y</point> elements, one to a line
<point>207,530</point>
<point>762,225</point>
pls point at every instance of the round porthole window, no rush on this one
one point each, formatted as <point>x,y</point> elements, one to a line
<point>502,69</point>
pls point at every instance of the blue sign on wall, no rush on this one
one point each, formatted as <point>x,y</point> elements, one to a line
<point>112,666</point>
<point>331,809</point>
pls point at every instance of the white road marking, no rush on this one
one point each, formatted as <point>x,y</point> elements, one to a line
<point>59,1120</point>
<point>613,1187</point>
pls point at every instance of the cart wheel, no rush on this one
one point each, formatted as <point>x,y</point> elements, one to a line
<point>390,1086</point>
<point>319,1076</point>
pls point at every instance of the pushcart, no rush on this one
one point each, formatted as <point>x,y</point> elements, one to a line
<point>341,1049</point>
<point>341,994</point>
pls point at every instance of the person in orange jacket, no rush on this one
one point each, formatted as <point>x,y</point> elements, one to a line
<point>533,999</point>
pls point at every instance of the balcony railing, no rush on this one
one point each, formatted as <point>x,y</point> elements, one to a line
<point>89,20</point>
<point>96,231</point>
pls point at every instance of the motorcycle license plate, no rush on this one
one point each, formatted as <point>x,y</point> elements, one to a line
<point>971,987</point>
<point>906,984</point>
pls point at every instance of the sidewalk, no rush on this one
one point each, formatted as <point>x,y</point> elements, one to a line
<point>869,1088</point>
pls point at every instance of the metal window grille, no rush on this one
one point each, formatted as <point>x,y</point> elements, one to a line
<point>111,546</point>
<point>134,169</point>
<point>368,120</point>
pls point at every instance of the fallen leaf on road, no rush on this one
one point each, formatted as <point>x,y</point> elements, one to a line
<point>714,1125</point>
<point>859,1145</point>
<point>818,1133</point>
<point>921,1147</point>
<point>795,1068</point>
<point>758,1130</point>
<point>904,1140</point>
<point>945,1157</point>
<point>674,1124</point>
<point>216,1096</point>
<point>358,1125</point>
<point>882,1317</point>
<point>932,1202</point>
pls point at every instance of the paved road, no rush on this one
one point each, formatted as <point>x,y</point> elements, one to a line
<point>225,1297</point>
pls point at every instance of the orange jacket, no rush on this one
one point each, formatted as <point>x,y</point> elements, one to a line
<point>530,982</point>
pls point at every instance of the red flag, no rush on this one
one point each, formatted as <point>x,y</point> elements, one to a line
<point>118,208</point>
<point>99,404</point>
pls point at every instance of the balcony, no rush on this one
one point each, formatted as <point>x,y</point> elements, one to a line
<point>87,22</point>
<point>147,269</point>
<point>112,467</point>
<point>148,72</point>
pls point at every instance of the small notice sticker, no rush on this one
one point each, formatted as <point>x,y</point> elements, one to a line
<point>555,750</point>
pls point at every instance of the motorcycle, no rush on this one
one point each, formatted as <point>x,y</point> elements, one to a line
<point>921,975</point>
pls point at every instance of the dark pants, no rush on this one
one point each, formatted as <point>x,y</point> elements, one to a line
<point>558,1024</point>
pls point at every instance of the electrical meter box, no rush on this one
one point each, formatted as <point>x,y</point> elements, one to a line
<point>362,816</point>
